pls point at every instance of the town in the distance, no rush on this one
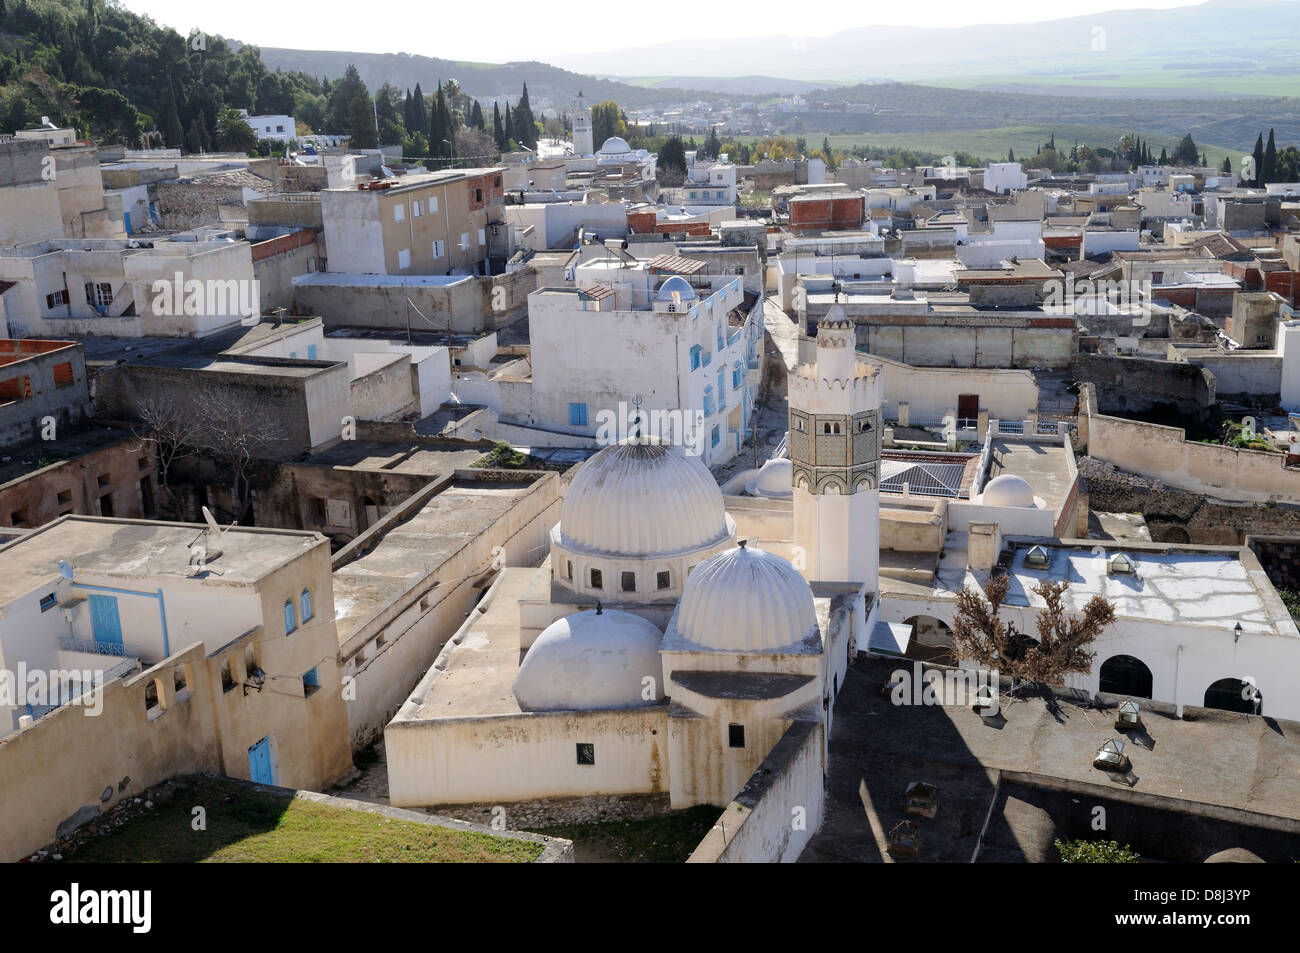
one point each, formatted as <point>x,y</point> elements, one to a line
<point>582,470</point>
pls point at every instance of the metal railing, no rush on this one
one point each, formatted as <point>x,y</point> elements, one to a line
<point>71,694</point>
<point>119,649</point>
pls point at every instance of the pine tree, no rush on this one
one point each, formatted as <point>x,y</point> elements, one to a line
<point>1164,156</point>
<point>476,116</point>
<point>1011,155</point>
<point>1227,165</point>
<point>419,115</point>
<point>498,131</point>
<point>1268,171</point>
<point>439,134</point>
<point>524,126</point>
<point>174,137</point>
<point>509,126</point>
<point>1259,159</point>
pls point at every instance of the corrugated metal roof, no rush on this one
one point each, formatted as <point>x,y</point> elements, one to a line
<point>676,264</point>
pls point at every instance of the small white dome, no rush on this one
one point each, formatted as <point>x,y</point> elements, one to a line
<point>1008,490</point>
<point>616,146</point>
<point>678,284</point>
<point>642,499</point>
<point>774,480</point>
<point>746,600</point>
<point>591,660</point>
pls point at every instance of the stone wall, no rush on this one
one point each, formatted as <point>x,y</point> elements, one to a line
<point>1180,516</point>
<point>551,812</point>
<point>1136,383</point>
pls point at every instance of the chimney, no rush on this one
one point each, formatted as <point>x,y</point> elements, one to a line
<point>983,543</point>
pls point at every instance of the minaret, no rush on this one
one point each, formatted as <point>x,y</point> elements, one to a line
<point>582,144</point>
<point>835,459</point>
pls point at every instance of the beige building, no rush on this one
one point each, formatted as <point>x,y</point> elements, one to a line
<point>148,650</point>
<point>435,223</point>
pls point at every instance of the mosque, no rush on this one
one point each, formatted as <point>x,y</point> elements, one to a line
<point>655,651</point>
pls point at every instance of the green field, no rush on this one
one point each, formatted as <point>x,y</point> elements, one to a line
<point>1137,82</point>
<point>994,143</point>
<point>243,825</point>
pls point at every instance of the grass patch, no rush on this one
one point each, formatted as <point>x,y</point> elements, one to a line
<point>246,826</point>
<point>503,457</point>
<point>667,839</point>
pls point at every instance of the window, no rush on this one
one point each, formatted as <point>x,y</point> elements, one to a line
<point>628,581</point>
<point>478,195</point>
<point>735,379</point>
<point>736,736</point>
<point>99,294</point>
<point>568,569</point>
<point>306,605</point>
<point>496,183</point>
<point>663,579</point>
<point>717,436</point>
<point>695,357</point>
<point>290,623</point>
<point>279,128</point>
<point>310,684</point>
<point>416,209</point>
<point>722,385</point>
<point>597,579</point>
<point>577,415</point>
<point>586,753</point>
<point>464,241</point>
<point>63,376</point>
<point>433,205</point>
<point>17,517</point>
<point>482,236</point>
<point>399,213</point>
<point>439,250</point>
<point>316,511</point>
<point>311,352</point>
<point>65,496</point>
<point>56,300</point>
<point>1157,277</point>
<point>48,602</point>
<point>404,258</point>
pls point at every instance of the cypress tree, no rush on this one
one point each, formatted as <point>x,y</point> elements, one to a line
<point>1268,171</point>
<point>1259,159</point>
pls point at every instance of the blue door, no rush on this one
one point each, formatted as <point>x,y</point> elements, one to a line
<point>259,762</point>
<point>126,216</point>
<point>104,619</point>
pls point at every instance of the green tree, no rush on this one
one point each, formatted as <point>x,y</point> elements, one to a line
<point>670,167</point>
<point>1227,165</point>
<point>1095,852</point>
<point>234,134</point>
<point>498,131</point>
<point>1268,171</point>
<point>1259,159</point>
<point>525,127</point>
<point>171,120</point>
<point>1187,153</point>
<point>351,112</point>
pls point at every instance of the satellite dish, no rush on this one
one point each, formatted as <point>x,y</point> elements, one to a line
<point>65,570</point>
<point>213,526</point>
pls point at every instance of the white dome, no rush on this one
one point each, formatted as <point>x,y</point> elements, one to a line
<point>589,660</point>
<point>615,145</point>
<point>678,284</point>
<point>774,480</point>
<point>1008,490</point>
<point>642,499</point>
<point>746,600</point>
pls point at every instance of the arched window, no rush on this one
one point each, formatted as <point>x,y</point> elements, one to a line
<point>306,605</point>
<point>289,622</point>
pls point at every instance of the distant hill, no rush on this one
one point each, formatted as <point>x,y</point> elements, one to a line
<point>484,81</point>
<point>1214,42</point>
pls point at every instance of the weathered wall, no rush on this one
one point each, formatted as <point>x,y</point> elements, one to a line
<point>778,811</point>
<point>1136,383</point>
<point>124,471</point>
<point>1006,394</point>
<point>1162,453</point>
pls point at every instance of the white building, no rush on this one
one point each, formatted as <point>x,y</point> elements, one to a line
<point>1005,177</point>
<point>272,127</point>
<point>582,131</point>
<point>685,352</point>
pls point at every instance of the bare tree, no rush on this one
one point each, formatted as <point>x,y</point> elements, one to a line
<point>236,433</point>
<point>169,423</point>
<point>1062,647</point>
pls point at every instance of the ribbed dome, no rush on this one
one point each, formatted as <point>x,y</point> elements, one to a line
<point>642,499</point>
<point>615,145</point>
<point>1008,490</point>
<point>746,600</point>
<point>590,660</point>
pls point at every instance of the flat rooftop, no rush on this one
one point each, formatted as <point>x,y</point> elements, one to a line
<point>1194,587</point>
<point>139,549</point>
<point>1044,466</point>
<point>410,552</point>
<point>877,747</point>
<point>400,457</point>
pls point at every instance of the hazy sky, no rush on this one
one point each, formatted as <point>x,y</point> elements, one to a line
<point>514,30</point>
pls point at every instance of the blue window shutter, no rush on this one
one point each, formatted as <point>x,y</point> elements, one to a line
<point>311,352</point>
<point>577,415</point>
<point>306,605</point>
<point>289,623</point>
